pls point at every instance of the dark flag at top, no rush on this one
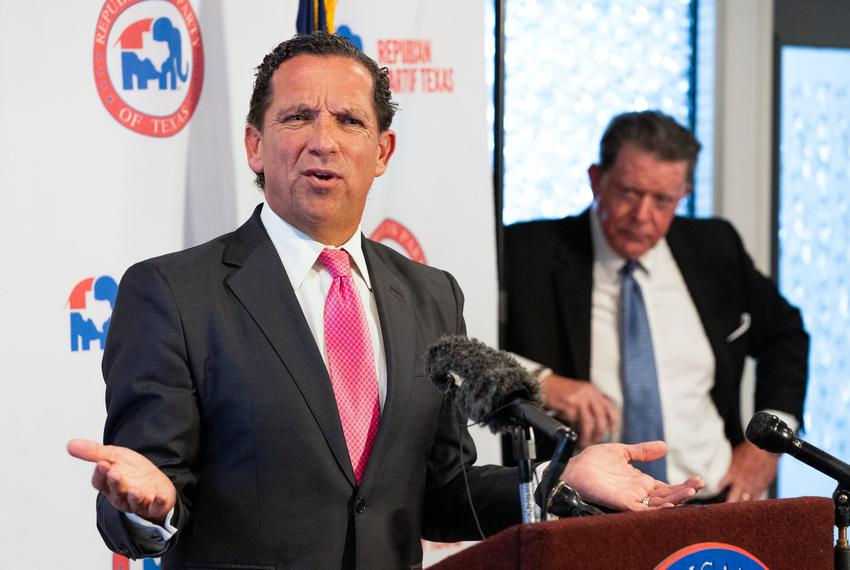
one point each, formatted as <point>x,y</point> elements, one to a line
<point>315,16</point>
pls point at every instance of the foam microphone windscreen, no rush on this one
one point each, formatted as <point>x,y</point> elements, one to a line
<point>490,379</point>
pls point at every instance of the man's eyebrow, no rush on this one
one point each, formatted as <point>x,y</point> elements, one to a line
<point>352,111</point>
<point>299,108</point>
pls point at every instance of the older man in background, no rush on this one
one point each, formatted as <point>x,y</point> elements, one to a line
<point>646,318</point>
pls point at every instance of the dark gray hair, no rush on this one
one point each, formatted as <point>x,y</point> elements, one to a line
<point>651,131</point>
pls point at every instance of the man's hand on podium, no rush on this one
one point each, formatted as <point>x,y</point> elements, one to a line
<point>127,479</point>
<point>602,474</point>
<point>750,474</point>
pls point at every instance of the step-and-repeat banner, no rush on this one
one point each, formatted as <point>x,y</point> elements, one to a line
<point>121,138</point>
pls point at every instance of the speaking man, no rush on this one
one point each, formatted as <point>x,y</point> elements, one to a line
<point>267,400</point>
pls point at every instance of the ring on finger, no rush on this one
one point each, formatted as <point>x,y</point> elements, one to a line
<point>645,501</point>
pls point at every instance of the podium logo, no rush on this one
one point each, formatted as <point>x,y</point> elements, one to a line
<point>711,556</point>
<point>91,302</point>
<point>149,64</point>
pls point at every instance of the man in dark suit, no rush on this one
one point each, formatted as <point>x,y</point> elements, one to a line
<point>239,430</point>
<point>707,308</point>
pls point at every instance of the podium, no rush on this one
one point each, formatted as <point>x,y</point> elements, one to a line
<point>781,533</point>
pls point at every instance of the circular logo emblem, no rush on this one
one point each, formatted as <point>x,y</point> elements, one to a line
<point>711,555</point>
<point>149,64</point>
<point>392,230</point>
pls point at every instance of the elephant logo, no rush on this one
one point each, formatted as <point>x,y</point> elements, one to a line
<point>149,64</point>
<point>136,71</point>
<point>91,302</point>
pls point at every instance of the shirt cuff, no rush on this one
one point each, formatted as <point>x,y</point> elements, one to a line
<point>536,370</point>
<point>150,536</point>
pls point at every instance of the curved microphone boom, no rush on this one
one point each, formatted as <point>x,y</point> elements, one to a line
<point>772,434</point>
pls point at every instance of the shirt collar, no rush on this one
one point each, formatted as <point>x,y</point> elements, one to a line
<point>299,252</point>
<point>611,261</point>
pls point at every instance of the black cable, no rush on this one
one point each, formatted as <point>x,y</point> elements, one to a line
<point>465,479</point>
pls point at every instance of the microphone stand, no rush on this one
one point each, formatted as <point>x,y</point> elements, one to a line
<point>524,455</point>
<point>841,499</point>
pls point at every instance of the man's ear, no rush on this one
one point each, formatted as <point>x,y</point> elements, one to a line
<point>595,175</point>
<point>254,147</point>
<point>386,148</point>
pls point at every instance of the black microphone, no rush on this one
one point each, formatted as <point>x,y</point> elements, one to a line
<point>772,434</point>
<point>490,386</point>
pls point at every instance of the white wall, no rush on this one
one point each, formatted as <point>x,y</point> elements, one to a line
<point>742,163</point>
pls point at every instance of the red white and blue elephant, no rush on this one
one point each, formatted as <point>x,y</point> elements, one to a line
<point>142,70</point>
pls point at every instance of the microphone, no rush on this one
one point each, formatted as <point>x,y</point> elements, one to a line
<point>772,434</point>
<point>490,386</point>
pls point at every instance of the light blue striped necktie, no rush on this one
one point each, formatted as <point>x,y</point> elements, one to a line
<point>642,419</point>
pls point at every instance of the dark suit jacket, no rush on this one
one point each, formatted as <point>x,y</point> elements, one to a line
<point>549,281</point>
<point>213,374</point>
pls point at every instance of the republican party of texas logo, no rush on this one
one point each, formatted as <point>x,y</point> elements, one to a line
<point>149,64</point>
<point>90,303</point>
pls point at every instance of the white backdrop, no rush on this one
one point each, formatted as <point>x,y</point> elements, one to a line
<point>84,196</point>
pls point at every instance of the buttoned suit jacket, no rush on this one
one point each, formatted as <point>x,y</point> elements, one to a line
<point>212,372</point>
<point>549,283</point>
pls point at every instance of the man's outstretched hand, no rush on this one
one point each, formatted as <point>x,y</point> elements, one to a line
<point>127,479</point>
<point>603,474</point>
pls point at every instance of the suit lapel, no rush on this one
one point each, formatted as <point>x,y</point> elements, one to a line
<point>572,269</point>
<point>260,284</point>
<point>397,318</point>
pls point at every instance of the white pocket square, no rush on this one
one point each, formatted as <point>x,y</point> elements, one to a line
<point>742,328</point>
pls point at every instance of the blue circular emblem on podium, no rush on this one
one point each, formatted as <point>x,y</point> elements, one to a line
<point>711,555</point>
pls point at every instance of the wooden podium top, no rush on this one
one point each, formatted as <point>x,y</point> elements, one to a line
<point>783,533</point>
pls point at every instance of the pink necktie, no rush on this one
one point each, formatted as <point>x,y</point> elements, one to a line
<point>351,361</point>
